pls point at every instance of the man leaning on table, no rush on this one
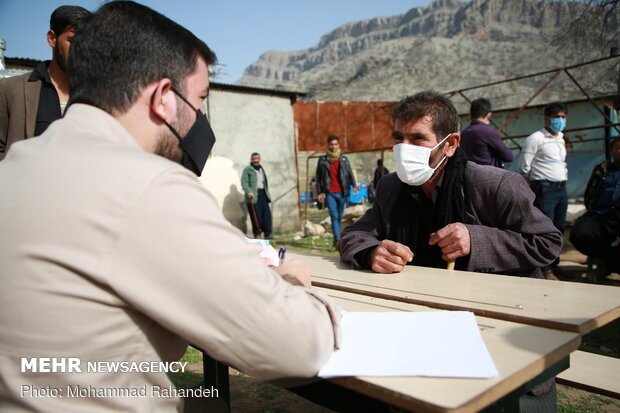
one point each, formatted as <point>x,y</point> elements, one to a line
<point>438,207</point>
<point>114,252</point>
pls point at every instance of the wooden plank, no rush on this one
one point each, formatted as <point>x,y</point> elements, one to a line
<point>553,304</point>
<point>520,352</point>
<point>594,373</point>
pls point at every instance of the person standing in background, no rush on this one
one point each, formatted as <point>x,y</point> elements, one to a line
<point>543,164</point>
<point>31,102</point>
<point>334,177</point>
<point>256,188</point>
<point>481,142</point>
<point>380,171</point>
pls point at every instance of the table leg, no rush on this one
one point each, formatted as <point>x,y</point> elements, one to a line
<point>510,402</point>
<point>216,376</point>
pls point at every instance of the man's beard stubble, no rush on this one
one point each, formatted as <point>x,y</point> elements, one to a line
<point>168,144</point>
<point>59,58</point>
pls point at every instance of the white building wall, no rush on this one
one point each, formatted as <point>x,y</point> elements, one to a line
<point>244,123</point>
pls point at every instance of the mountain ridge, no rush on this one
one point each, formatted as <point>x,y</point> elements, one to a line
<point>380,58</point>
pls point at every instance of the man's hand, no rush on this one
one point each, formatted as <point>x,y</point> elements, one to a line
<point>454,241</point>
<point>321,198</point>
<point>250,196</point>
<point>390,256</point>
<point>355,190</point>
<point>295,272</point>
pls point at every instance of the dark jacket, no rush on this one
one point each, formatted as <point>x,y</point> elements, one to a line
<point>249,183</point>
<point>19,101</point>
<point>483,145</point>
<point>508,234</point>
<point>322,175</point>
<point>379,175</point>
<point>594,185</point>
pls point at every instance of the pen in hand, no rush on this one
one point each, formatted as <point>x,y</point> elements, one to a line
<point>281,255</point>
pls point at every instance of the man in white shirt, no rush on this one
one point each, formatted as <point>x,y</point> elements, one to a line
<point>543,163</point>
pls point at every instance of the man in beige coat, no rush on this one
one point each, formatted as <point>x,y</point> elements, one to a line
<point>113,252</point>
<point>30,102</point>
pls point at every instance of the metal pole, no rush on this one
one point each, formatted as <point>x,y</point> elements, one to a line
<point>589,98</point>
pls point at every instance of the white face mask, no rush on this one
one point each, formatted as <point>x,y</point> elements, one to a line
<point>412,162</point>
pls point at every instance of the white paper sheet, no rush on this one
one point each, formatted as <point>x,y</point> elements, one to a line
<point>271,254</point>
<point>433,344</point>
<point>267,250</point>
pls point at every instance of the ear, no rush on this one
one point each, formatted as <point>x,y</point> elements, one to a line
<point>451,144</point>
<point>163,103</point>
<point>51,38</point>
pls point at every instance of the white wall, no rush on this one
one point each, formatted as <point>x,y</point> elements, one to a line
<point>244,123</point>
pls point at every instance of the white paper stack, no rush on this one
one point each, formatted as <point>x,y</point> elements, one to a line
<point>432,344</point>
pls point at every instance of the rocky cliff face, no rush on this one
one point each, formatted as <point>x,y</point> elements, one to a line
<point>447,45</point>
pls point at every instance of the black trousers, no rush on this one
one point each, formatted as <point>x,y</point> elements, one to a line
<point>260,211</point>
<point>596,236</point>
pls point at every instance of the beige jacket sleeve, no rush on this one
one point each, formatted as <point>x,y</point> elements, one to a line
<point>183,265</point>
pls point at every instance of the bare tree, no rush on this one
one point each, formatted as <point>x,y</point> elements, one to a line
<point>593,32</point>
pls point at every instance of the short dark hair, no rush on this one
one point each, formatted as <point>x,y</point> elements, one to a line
<point>124,47</point>
<point>480,108</point>
<point>67,16</point>
<point>254,154</point>
<point>555,108</point>
<point>333,138</point>
<point>379,162</point>
<point>429,103</point>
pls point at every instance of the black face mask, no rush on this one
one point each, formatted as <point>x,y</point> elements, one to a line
<point>198,142</point>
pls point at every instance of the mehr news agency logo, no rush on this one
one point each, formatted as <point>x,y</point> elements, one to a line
<point>75,365</point>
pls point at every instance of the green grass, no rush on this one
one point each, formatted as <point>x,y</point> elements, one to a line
<point>317,244</point>
<point>186,379</point>
<point>320,244</point>
<point>192,356</point>
<point>590,403</point>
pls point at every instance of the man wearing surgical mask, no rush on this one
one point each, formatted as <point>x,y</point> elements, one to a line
<point>438,207</point>
<point>543,164</point>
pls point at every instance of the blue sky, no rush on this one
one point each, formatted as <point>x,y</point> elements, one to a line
<point>239,31</point>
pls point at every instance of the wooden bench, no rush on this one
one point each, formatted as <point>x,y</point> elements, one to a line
<point>593,373</point>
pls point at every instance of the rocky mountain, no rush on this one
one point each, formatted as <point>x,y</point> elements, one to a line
<point>446,46</point>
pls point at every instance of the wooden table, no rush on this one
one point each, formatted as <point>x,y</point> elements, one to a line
<point>560,305</point>
<point>530,327</point>
<point>520,352</point>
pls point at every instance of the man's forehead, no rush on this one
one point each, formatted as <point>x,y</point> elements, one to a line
<point>414,124</point>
